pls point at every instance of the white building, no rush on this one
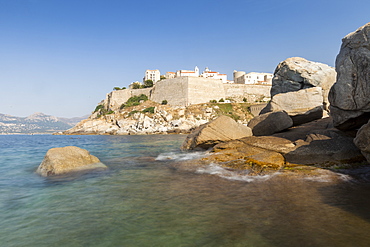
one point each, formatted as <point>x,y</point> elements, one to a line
<point>214,75</point>
<point>194,73</point>
<point>153,75</point>
<point>241,77</point>
<point>170,75</point>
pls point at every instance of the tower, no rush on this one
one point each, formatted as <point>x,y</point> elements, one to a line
<point>196,70</point>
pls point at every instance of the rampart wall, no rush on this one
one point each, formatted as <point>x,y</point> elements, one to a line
<point>175,91</point>
<point>202,90</point>
<point>184,91</point>
<point>115,99</point>
<point>240,90</point>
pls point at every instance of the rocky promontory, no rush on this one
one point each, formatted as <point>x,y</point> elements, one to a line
<point>148,117</point>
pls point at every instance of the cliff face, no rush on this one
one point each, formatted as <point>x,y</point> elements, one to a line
<point>153,118</point>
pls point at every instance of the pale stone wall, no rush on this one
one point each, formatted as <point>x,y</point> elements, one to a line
<point>173,90</point>
<point>239,91</point>
<point>202,90</point>
<point>115,99</point>
<point>184,91</point>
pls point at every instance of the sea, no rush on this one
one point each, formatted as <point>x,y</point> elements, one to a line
<point>143,199</point>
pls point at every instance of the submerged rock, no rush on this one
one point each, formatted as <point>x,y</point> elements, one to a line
<point>64,160</point>
<point>219,130</point>
<point>350,96</point>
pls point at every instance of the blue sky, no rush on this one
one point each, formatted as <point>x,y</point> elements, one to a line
<point>61,57</point>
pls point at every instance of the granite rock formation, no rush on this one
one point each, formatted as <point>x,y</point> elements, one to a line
<point>270,123</point>
<point>362,140</point>
<point>350,96</point>
<point>297,73</point>
<point>302,106</point>
<point>219,130</point>
<point>64,160</point>
<point>153,118</point>
<point>315,143</point>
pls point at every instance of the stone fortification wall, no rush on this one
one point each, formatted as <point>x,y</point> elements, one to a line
<point>202,90</point>
<point>184,91</point>
<point>115,99</point>
<point>175,91</point>
<point>250,92</point>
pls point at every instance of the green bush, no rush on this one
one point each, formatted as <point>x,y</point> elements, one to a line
<point>164,102</point>
<point>136,85</point>
<point>132,112</point>
<point>221,100</point>
<point>98,107</point>
<point>213,101</point>
<point>134,100</point>
<point>149,109</point>
<point>148,83</point>
<point>244,99</point>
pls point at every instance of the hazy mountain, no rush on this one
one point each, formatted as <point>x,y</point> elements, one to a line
<point>35,123</point>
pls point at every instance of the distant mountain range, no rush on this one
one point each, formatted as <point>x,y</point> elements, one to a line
<point>35,123</point>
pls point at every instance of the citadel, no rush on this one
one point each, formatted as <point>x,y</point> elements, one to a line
<point>187,87</point>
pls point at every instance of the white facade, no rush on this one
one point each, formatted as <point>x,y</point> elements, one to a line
<point>153,75</point>
<point>214,75</point>
<point>170,75</point>
<point>241,77</point>
<point>193,73</point>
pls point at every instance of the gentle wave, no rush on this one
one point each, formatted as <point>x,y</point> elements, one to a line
<point>180,156</point>
<point>324,178</point>
<point>222,172</point>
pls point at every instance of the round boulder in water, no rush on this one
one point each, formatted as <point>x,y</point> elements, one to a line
<point>64,160</point>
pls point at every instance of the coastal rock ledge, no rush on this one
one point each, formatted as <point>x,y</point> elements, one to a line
<point>221,129</point>
<point>64,160</point>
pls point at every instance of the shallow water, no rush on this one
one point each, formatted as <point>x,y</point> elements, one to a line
<point>142,201</point>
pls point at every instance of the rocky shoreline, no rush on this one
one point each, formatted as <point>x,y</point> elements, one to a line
<point>152,118</point>
<point>290,136</point>
<point>316,124</point>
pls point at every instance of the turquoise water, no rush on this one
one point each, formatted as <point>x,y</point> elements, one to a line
<point>143,201</point>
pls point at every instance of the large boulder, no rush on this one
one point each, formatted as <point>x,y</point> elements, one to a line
<point>64,160</point>
<point>302,106</point>
<point>315,143</point>
<point>362,140</point>
<point>270,123</point>
<point>237,154</point>
<point>219,130</point>
<point>296,73</point>
<point>350,96</point>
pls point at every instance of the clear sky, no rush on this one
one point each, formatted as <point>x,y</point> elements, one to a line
<point>61,57</point>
